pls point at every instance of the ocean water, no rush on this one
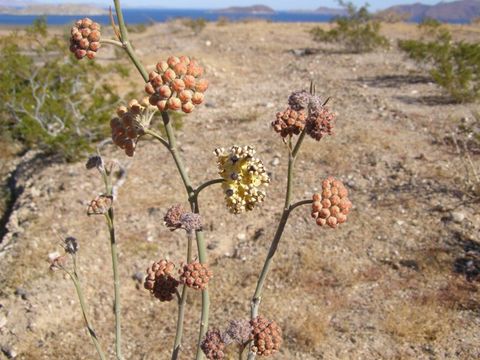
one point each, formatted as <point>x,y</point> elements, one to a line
<point>138,16</point>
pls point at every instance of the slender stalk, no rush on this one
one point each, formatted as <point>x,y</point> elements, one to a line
<point>257,297</point>
<point>112,42</point>
<point>300,203</point>
<point>181,169</point>
<point>126,43</point>
<point>181,307</point>
<point>207,184</point>
<point>116,283</point>
<point>83,306</point>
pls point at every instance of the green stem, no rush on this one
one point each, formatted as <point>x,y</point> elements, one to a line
<point>257,297</point>
<point>83,306</point>
<point>181,307</point>
<point>126,43</point>
<point>192,199</point>
<point>116,283</point>
<point>207,184</point>
<point>112,42</point>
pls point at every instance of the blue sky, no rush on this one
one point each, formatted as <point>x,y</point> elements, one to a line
<point>276,4</point>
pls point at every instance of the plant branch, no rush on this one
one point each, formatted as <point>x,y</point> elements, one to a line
<point>112,42</point>
<point>207,184</point>
<point>257,297</point>
<point>126,43</point>
<point>83,306</point>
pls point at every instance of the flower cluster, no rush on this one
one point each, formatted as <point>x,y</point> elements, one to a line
<point>85,38</point>
<point>266,336</point>
<point>332,206</point>
<point>130,123</point>
<point>195,275</point>
<point>159,280</point>
<point>305,111</point>
<point>177,218</point>
<point>289,122</point>
<point>244,176</point>
<point>213,345</point>
<point>100,205</point>
<point>320,122</point>
<point>177,84</point>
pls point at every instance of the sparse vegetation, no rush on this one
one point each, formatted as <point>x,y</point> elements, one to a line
<point>48,100</point>
<point>358,31</point>
<point>455,66</point>
<point>196,25</point>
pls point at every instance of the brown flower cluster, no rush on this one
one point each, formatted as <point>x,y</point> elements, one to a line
<point>332,206</point>
<point>305,111</point>
<point>266,336</point>
<point>195,275</point>
<point>159,280</point>
<point>130,123</point>
<point>177,84</point>
<point>85,38</point>
<point>177,218</point>
<point>100,205</point>
<point>320,122</point>
<point>213,345</point>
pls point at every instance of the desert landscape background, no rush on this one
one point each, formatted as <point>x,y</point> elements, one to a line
<point>399,280</point>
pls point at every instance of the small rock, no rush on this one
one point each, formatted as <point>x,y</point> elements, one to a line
<point>53,255</point>
<point>9,352</point>
<point>275,161</point>
<point>212,246</point>
<point>138,276</point>
<point>457,217</point>
<point>208,43</point>
<point>241,236</point>
<point>21,293</point>
<point>3,321</point>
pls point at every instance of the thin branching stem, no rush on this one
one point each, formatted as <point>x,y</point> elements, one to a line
<point>112,42</point>
<point>257,297</point>
<point>186,181</point>
<point>207,184</point>
<point>83,306</point>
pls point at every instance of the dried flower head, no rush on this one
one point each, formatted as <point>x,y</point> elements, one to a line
<point>159,280</point>
<point>332,205</point>
<point>95,161</point>
<point>266,336</point>
<point>172,217</point>
<point>58,263</point>
<point>320,120</point>
<point>70,245</point>
<point>195,275</point>
<point>130,123</point>
<point>244,176</point>
<point>85,38</point>
<point>213,345</point>
<point>191,221</point>
<point>299,100</point>
<point>289,122</point>
<point>238,331</point>
<point>177,84</point>
<point>100,205</point>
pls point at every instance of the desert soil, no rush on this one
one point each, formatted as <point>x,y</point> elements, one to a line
<point>399,280</point>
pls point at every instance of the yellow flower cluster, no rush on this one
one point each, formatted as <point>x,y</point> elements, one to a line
<point>244,176</point>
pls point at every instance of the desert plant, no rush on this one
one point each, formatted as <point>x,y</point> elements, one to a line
<point>455,66</point>
<point>178,85</point>
<point>196,25</point>
<point>358,31</point>
<point>47,99</point>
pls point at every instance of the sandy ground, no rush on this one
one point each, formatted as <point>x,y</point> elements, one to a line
<point>391,283</point>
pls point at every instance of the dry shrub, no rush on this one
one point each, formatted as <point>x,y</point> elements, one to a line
<point>309,332</point>
<point>460,294</point>
<point>419,322</point>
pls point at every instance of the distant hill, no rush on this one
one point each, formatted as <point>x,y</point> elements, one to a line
<point>51,9</point>
<point>255,9</point>
<point>331,11</point>
<point>455,11</point>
